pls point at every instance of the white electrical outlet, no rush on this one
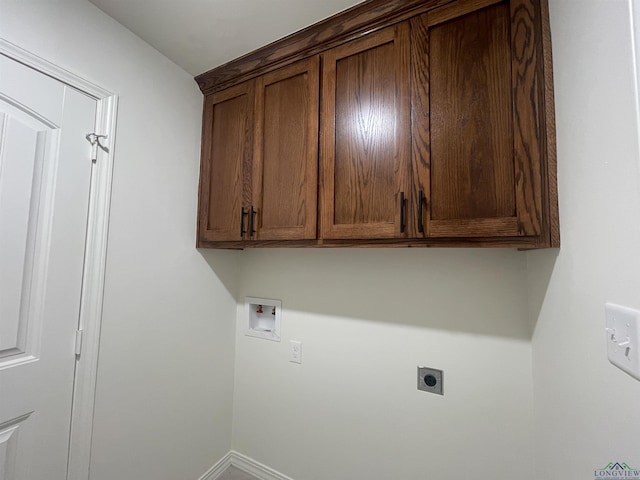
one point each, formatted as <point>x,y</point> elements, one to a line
<point>295,351</point>
<point>623,338</point>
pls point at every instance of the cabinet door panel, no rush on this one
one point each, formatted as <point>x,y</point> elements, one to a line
<point>227,134</point>
<point>483,152</point>
<point>471,129</point>
<point>366,135</point>
<point>286,152</point>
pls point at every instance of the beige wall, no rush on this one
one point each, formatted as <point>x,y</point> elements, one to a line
<point>587,412</point>
<point>367,319</point>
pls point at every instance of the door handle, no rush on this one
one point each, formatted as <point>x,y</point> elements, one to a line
<point>401,212</point>
<point>420,203</point>
<point>252,229</point>
<point>242,215</point>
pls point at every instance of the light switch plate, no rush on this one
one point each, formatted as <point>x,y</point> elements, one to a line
<point>295,351</point>
<point>623,341</point>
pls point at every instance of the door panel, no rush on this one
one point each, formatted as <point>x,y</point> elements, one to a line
<point>286,152</point>
<point>22,155</point>
<point>366,136</point>
<point>364,168</point>
<point>225,187</point>
<point>45,171</point>
<point>471,129</point>
<point>8,447</point>
<point>482,88</point>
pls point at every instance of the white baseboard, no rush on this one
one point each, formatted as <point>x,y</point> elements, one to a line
<point>257,469</point>
<point>244,463</point>
<point>214,472</point>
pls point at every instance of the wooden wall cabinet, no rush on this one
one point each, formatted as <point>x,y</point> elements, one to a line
<point>258,178</point>
<point>394,123</point>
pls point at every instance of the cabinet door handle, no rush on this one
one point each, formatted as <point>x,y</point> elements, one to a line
<point>420,203</point>
<point>401,212</point>
<point>252,229</point>
<point>242,215</point>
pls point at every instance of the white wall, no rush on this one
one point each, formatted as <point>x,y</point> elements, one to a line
<point>587,412</point>
<point>367,318</point>
<point>164,397</point>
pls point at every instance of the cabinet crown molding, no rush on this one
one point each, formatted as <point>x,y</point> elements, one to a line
<point>359,20</point>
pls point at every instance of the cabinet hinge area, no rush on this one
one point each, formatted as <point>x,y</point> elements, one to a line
<point>78,349</point>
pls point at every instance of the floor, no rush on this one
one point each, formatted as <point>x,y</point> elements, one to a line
<point>232,473</point>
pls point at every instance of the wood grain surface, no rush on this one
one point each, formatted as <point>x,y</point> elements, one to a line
<point>226,150</point>
<point>451,98</point>
<point>528,113</point>
<point>366,135</point>
<point>420,127</point>
<point>478,126</point>
<point>286,152</point>
<point>550,194</point>
<point>457,9</point>
<point>472,172</point>
<point>522,243</point>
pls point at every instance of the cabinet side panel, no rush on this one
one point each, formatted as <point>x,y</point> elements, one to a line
<point>365,176</point>
<point>472,172</point>
<point>550,124</point>
<point>204,188</point>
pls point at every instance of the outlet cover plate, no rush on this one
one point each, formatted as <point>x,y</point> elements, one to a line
<point>623,341</point>
<point>430,380</point>
<point>295,351</point>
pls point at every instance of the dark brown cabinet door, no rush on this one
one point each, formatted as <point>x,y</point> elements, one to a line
<point>226,156</point>
<point>285,158</point>
<point>477,142</point>
<point>365,137</point>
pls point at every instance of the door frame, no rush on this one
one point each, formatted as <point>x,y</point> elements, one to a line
<point>90,316</point>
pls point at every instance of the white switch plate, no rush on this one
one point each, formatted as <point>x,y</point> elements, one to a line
<point>295,351</point>
<point>623,341</point>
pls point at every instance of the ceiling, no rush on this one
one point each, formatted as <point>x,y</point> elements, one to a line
<point>201,34</point>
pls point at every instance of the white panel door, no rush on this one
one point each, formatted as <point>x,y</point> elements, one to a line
<point>45,171</point>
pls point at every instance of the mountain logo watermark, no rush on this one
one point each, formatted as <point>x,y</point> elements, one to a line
<point>618,470</point>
